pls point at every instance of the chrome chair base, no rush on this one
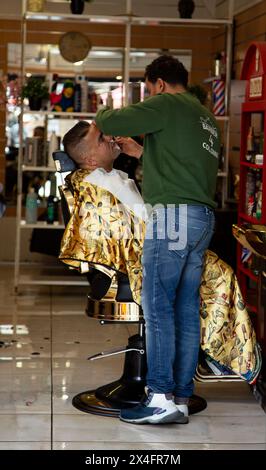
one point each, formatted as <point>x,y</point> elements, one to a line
<point>107,310</point>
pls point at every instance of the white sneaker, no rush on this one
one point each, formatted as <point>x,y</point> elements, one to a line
<point>184,410</point>
<point>155,408</point>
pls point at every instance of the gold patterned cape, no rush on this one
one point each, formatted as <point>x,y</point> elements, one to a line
<point>103,231</point>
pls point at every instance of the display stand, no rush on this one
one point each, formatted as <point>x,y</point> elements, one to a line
<point>252,196</point>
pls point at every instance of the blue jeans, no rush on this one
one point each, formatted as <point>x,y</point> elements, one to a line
<point>172,267</point>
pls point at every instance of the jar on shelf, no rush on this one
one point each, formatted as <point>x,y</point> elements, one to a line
<point>250,145</point>
<point>250,193</point>
<point>35,5</point>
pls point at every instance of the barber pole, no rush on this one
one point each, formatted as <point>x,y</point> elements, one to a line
<point>218,89</point>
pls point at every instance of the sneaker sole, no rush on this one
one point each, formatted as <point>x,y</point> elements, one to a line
<point>173,418</point>
<point>182,420</point>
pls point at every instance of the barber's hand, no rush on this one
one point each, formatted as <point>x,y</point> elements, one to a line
<point>129,146</point>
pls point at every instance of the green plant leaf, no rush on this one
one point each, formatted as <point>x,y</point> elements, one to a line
<point>35,87</point>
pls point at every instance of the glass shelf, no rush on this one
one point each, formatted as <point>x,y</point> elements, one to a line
<point>43,224</point>
<point>48,169</point>
<point>58,114</point>
<point>122,19</point>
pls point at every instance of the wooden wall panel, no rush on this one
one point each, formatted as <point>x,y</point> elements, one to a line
<point>219,40</point>
<point>249,26</point>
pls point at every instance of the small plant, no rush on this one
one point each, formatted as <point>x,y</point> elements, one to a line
<point>35,88</point>
<point>36,91</point>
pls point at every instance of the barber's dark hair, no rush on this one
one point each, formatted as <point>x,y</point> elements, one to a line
<point>73,141</point>
<point>169,69</point>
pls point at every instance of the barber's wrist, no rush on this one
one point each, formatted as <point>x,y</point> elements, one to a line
<point>138,151</point>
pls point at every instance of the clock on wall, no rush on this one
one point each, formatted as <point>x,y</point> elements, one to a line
<point>74,46</point>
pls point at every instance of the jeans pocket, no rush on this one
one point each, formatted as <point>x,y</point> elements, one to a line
<point>177,237</point>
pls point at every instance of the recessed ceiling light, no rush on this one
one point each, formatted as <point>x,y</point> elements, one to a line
<point>102,53</point>
<point>138,54</point>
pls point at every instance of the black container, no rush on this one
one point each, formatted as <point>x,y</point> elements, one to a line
<point>77,7</point>
<point>186,8</point>
<point>35,103</point>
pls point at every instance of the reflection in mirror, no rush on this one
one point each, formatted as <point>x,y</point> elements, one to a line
<point>100,75</point>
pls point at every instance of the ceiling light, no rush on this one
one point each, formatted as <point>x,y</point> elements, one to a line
<point>80,62</point>
<point>119,77</point>
<point>11,330</point>
<point>54,50</point>
<point>138,54</point>
<point>103,53</point>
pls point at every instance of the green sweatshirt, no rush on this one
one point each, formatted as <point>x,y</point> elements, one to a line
<point>181,147</point>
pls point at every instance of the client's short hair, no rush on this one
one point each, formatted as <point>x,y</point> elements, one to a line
<point>169,69</point>
<point>74,144</point>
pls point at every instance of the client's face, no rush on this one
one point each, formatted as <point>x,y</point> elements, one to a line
<point>103,149</point>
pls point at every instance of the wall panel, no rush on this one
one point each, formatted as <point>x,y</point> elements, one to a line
<point>249,26</point>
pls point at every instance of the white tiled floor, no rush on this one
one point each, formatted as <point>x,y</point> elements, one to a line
<point>43,365</point>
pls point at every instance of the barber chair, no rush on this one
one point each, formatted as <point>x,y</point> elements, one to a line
<point>110,301</point>
<point>253,237</point>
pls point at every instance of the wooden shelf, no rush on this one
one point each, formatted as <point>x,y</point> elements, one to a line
<point>39,168</point>
<point>222,118</point>
<point>122,19</point>
<point>62,114</point>
<point>54,275</point>
<point>251,165</point>
<point>50,281</point>
<point>43,225</point>
<point>250,219</point>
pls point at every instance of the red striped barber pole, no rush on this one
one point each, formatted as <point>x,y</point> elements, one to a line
<point>218,89</point>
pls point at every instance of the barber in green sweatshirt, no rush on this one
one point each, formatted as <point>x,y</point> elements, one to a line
<point>180,164</point>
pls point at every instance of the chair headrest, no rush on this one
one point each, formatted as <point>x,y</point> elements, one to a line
<point>63,162</point>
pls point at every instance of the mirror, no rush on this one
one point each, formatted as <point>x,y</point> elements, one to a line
<point>102,70</point>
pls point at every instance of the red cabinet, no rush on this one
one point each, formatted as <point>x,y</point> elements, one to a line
<point>252,194</point>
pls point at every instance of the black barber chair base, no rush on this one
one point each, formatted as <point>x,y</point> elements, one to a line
<point>109,399</point>
<point>126,392</point>
<point>89,402</point>
<point>123,393</point>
